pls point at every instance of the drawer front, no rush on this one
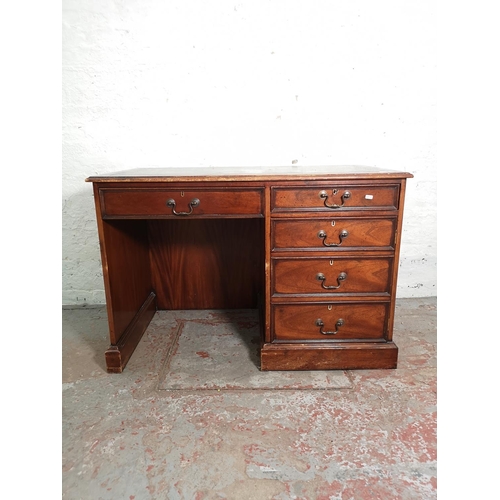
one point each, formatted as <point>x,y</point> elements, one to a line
<point>164,203</point>
<point>324,275</point>
<point>328,234</point>
<point>331,198</point>
<point>299,322</point>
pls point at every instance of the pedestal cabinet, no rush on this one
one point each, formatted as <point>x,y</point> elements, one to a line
<point>315,248</point>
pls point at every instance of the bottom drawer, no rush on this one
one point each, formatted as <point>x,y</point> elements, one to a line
<point>329,322</point>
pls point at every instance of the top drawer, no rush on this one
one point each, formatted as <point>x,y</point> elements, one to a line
<point>170,203</point>
<point>330,198</point>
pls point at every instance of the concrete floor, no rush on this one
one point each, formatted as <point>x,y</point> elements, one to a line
<point>161,431</point>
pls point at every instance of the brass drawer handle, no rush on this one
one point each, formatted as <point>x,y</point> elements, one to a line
<point>345,196</point>
<point>341,277</point>
<point>193,203</point>
<point>338,324</point>
<point>343,234</point>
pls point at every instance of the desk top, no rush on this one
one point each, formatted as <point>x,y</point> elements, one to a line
<point>294,172</point>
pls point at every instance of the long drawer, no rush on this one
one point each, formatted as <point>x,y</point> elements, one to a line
<point>327,234</point>
<point>337,275</point>
<point>330,198</point>
<point>165,203</point>
<point>329,322</point>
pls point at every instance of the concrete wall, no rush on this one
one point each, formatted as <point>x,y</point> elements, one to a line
<point>191,83</point>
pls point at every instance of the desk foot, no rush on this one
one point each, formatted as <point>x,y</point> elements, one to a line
<point>359,356</point>
<point>118,355</point>
<point>114,359</point>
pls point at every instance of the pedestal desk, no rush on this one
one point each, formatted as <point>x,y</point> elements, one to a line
<point>316,249</point>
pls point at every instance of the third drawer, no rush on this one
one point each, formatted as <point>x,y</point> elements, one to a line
<point>325,275</point>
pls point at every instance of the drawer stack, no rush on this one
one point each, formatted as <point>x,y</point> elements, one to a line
<point>333,252</point>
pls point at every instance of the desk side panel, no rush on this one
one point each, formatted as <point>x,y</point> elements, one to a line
<point>126,270</point>
<point>399,232</point>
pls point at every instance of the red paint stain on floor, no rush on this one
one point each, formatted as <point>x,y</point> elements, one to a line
<point>203,354</point>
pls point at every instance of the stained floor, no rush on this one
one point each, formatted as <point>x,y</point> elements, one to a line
<point>184,421</point>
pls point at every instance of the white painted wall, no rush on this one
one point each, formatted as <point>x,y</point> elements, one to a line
<point>151,83</point>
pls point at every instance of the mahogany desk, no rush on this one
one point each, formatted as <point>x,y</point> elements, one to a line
<point>316,249</point>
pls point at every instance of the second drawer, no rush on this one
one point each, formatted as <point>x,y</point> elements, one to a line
<point>332,234</point>
<point>331,275</point>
